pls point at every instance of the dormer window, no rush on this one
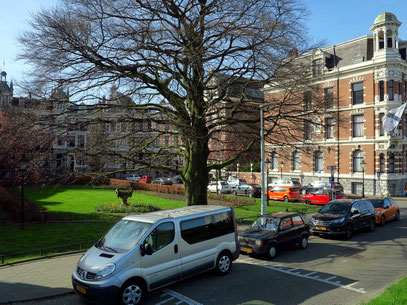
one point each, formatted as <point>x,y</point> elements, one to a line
<point>317,67</point>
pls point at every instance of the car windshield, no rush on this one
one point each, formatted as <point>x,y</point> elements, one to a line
<point>377,203</point>
<point>265,223</point>
<point>123,236</point>
<point>336,208</point>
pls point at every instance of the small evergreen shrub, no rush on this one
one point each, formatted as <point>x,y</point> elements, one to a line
<point>131,208</point>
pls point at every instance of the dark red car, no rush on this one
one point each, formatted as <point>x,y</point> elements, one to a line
<point>145,179</point>
<point>322,197</point>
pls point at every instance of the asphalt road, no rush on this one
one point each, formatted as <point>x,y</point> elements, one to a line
<point>328,272</point>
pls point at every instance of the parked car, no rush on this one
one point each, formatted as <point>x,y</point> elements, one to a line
<point>220,187</point>
<point>146,179</point>
<point>385,209</point>
<point>134,178</point>
<point>162,181</point>
<point>144,252</point>
<point>285,193</point>
<point>343,217</point>
<point>322,197</point>
<point>251,190</point>
<point>271,232</point>
<point>176,179</point>
<point>282,182</point>
<point>321,185</point>
<point>235,181</point>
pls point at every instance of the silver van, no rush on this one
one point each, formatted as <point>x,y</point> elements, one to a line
<point>144,252</point>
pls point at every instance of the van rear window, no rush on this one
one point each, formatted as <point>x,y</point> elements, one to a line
<point>207,227</point>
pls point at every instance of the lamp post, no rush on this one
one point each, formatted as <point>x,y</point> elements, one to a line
<point>263,199</point>
<point>267,180</point>
<point>281,172</point>
<point>363,166</point>
<point>251,171</point>
<point>238,169</point>
<point>23,165</point>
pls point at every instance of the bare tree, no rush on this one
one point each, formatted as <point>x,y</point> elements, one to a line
<point>166,55</point>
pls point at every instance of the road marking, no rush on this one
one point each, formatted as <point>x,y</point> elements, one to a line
<point>309,275</point>
<point>181,297</point>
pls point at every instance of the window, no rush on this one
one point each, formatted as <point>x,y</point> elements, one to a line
<point>81,141</point>
<point>355,207</point>
<point>390,90</point>
<point>381,127</point>
<point>296,161</point>
<point>318,161</point>
<point>161,236</point>
<point>166,141</point>
<point>206,227</point>
<point>274,160</point>
<point>381,90</point>
<point>307,100</point>
<point>357,125</point>
<point>357,159</point>
<point>381,163</point>
<point>140,126</point>
<point>329,97</point>
<point>70,140</point>
<point>286,224</point>
<point>391,163</point>
<point>307,130</point>
<point>357,93</point>
<point>329,128</point>
<point>297,221</point>
<point>317,67</point>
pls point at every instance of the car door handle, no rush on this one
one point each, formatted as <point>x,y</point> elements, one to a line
<point>175,248</point>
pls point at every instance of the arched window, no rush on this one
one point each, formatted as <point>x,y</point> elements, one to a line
<point>381,162</point>
<point>295,161</point>
<point>391,163</point>
<point>318,161</point>
<point>357,159</point>
<point>274,161</point>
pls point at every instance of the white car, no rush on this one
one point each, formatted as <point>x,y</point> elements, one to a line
<point>220,187</point>
<point>234,181</point>
<point>285,183</point>
<point>134,178</point>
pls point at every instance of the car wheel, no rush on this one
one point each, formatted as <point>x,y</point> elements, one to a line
<point>383,220</point>
<point>307,201</point>
<point>348,231</point>
<point>397,216</point>
<point>372,225</point>
<point>286,199</point>
<point>303,242</point>
<point>132,292</point>
<point>223,263</point>
<point>272,252</point>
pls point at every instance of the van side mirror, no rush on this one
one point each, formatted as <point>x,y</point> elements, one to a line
<point>355,212</point>
<point>146,249</point>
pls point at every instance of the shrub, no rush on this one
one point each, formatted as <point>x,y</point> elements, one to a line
<point>131,208</point>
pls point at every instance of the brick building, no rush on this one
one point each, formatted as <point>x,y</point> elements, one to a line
<point>360,81</point>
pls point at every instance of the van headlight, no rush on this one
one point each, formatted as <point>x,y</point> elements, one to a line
<point>105,271</point>
<point>339,220</point>
<point>259,242</point>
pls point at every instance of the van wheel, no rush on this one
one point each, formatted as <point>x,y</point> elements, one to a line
<point>382,220</point>
<point>397,216</point>
<point>286,199</point>
<point>223,263</point>
<point>132,292</point>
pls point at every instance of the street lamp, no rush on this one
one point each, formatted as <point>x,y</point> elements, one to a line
<point>267,180</point>
<point>363,166</point>
<point>251,171</point>
<point>281,172</point>
<point>23,163</point>
<point>238,168</point>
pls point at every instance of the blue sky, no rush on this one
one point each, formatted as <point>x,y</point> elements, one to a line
<point>332,21</point>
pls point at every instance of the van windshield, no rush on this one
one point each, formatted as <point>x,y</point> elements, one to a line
<point>123,236</point>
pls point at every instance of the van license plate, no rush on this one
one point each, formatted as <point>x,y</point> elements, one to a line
<point>81,289</point>
<point>321,228</point>
<point>247,250</point>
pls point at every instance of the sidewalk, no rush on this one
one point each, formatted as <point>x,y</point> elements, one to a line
<point>37,279</point>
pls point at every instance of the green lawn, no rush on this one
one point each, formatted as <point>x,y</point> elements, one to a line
<point>76,204</point>
<point>394,295</point>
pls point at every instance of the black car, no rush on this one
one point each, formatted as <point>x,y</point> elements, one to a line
<point>251,190</point>
<point>343,217</point>
<point>271,232</point>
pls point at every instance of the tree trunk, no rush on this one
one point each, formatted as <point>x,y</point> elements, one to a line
<point>196,173</point>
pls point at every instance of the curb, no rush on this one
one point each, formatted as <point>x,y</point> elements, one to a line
<point>56,296</point>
